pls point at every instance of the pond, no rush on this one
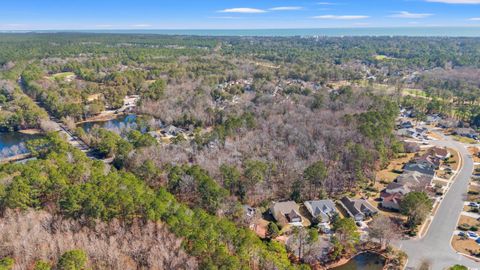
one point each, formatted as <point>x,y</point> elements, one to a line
<point>363,261</point>
<point>13,143</point>
<point>124,122</point>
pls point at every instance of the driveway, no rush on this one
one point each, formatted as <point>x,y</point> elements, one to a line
<point>435,246</point>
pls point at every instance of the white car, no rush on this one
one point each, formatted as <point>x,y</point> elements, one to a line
<point>473,204</point>
<point>472,235</point>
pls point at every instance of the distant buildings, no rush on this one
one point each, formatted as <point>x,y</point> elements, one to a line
<point>417,175</point>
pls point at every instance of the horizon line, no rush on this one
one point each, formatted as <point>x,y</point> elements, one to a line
<point>233,29</point>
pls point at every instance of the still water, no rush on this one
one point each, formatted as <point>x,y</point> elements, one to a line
<point>125,122</point>
<point>364,261</point>
<point>13,143</point>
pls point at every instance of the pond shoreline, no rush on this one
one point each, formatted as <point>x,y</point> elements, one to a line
<point>344,261</point>
<point>102,118</point>
<point>15,158</point>
<point>30,131</point>
<point>13,144</point>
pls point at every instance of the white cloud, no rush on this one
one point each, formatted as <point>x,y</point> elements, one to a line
<point>341,17</point>
<point>141,25</point>
<point>325,3</point>
<point>224,17</point>
<point>472,2</point>
<point>409,15</point>
<point>286,8</point>
<point>474,19</point>
<point>12,25</point>
<point>242,10</point>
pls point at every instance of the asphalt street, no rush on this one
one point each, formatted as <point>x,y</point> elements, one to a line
<point>435,247</point>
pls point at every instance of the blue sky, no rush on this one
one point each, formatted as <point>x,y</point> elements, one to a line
<point>233,14</point>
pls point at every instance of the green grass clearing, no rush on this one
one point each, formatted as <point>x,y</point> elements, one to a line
<point>61,75</point>
<point>464,139</point>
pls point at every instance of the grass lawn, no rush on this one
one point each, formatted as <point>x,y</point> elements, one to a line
<point>382,57</point>
<point>62,76</point>
<point>415,92</point>
<point>454,159</point>
<point>439,183</point>
<point>386,212</point>
<point>469,220</point>
<point>473,197</point>
<point>464,139</point>
<point>387,174</point>
<point>474,188</point>
<point>466,246</point>
<point>474,151</point>
<point>444,174</point>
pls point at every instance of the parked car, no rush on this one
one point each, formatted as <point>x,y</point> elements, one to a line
<point>472,235</point>
<point>478,240</point>
<point>462,234</point>
<point>473,204</point>
<point>361,224</point>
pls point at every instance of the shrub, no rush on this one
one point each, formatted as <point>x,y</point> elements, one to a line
<point>41,265</point>
<point>73,260</point>
<point>6,263</point>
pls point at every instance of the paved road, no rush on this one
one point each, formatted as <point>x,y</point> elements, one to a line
<point>435,246</point>
<point>60,127</point>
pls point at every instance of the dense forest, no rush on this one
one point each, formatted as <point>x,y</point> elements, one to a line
<point>265,119</point>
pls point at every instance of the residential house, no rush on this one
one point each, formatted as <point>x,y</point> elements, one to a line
<point>406,113</point>
<point>404,132</point>
<point>433,119</point>
<point>392,195</point>
<point>428,160</point>
<point>286,212</point>
<point>411,180</point>
<point>155,134</point>
<point>391,200</point>
<point>395,187</point>
<point>447,123</point>
<point>414,181</point>
<point>411,147</point>
<point>439,152</point>
<point>466,132</point>
<point>322,210</point>
<point>172,131</point>
<point>358,209</point>
<point>421,167</point>
<point>406,124</point>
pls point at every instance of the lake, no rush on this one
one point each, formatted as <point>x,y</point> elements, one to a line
<point>119,124</point>
<point>13,143</point>
<point>364,261</point>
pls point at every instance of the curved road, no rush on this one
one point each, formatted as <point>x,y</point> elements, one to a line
<point>435,247</point>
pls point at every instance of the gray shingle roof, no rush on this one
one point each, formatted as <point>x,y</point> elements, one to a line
<point>322,209</point>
